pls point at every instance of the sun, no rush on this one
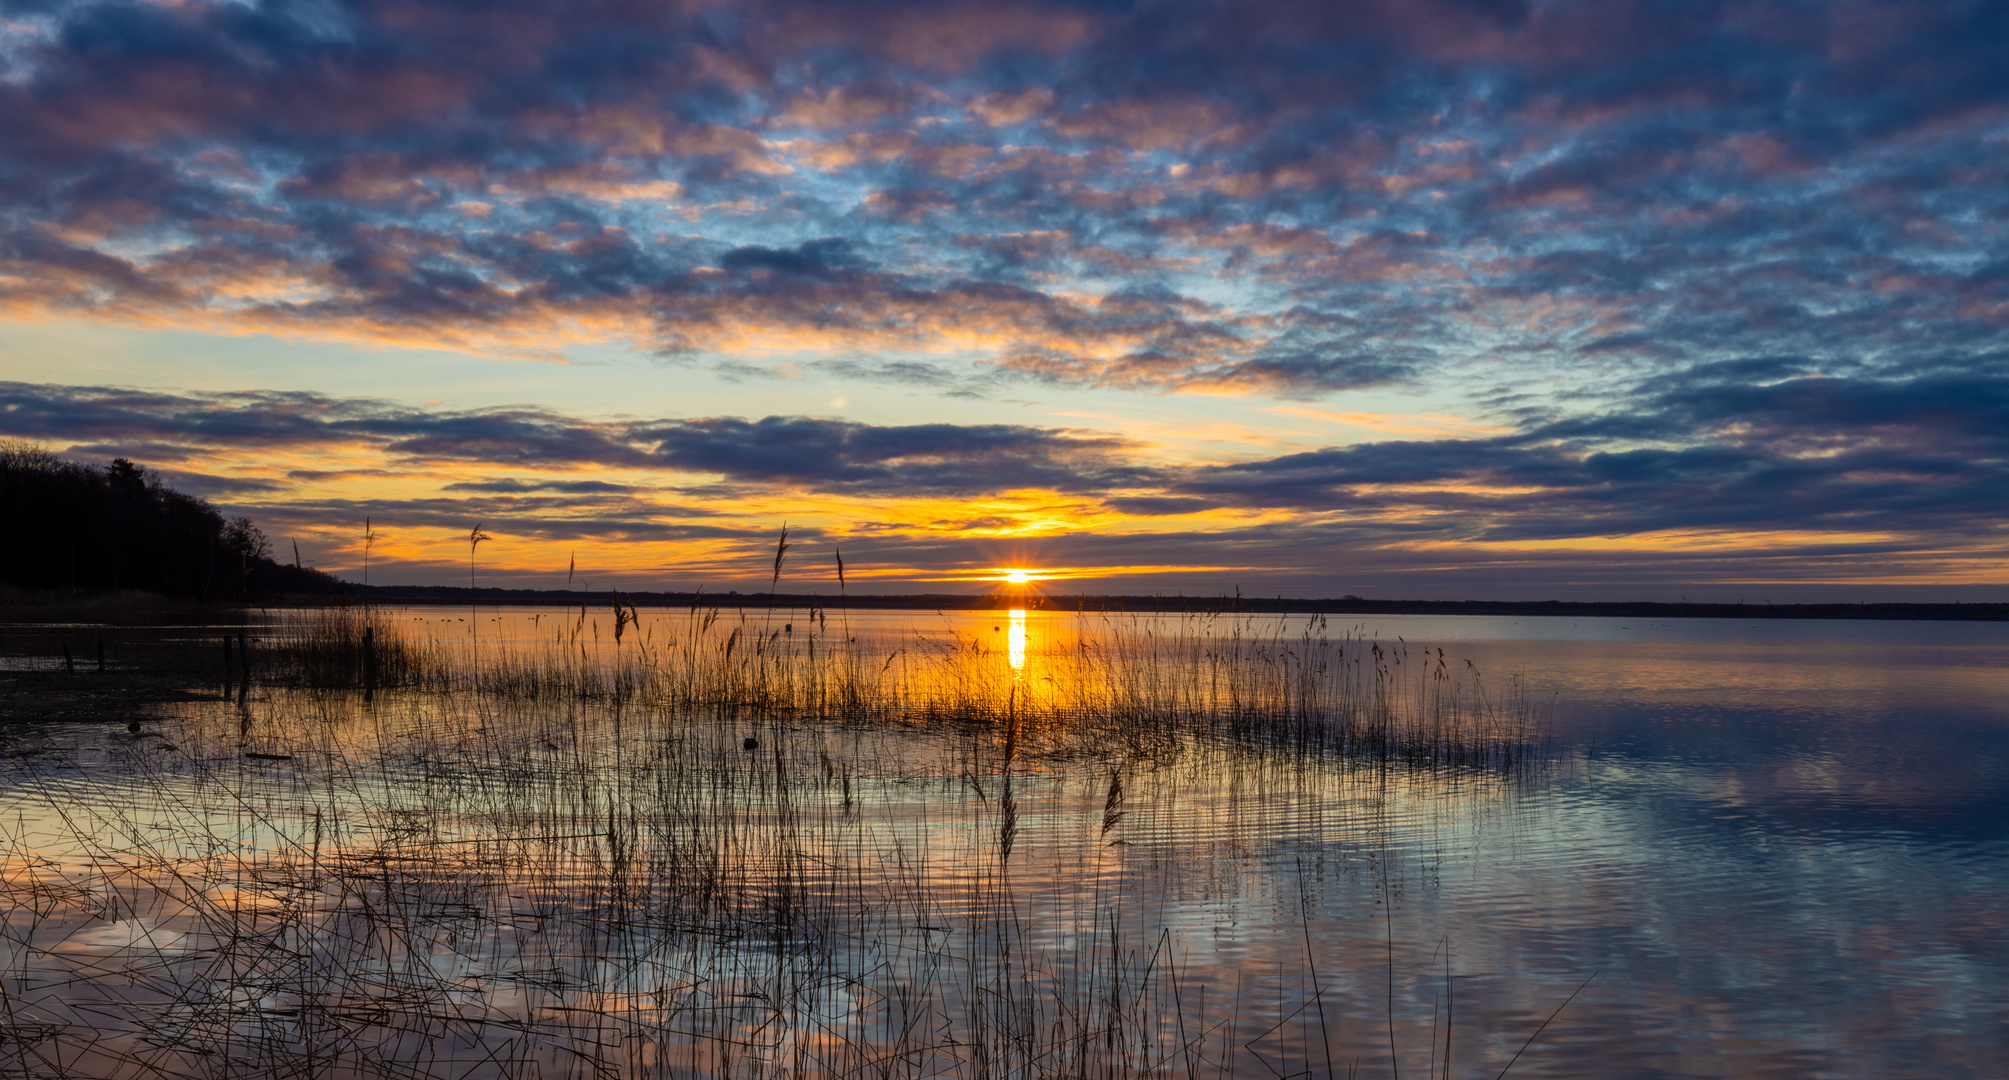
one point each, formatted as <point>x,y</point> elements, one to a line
<point>1018,577</point>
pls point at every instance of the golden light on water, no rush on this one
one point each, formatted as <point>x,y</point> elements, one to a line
<point>1015,640</point>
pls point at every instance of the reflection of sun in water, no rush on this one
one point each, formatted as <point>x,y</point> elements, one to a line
<point>1016,641</point>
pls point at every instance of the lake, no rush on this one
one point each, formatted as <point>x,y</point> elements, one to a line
<point>1428,845</point>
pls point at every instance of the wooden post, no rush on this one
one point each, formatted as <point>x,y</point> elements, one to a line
<point>101,656</point>
<point>244,664</point>
<point>369,662</point>
<point>226,665</point>
<point>69,662</point>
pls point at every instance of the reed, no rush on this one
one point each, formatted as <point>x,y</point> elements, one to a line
<point>555,858</point>
<point>335,646</point>
<point>1289,685</point>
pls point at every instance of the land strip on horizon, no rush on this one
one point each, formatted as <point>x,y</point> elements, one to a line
<point>1246,605</point>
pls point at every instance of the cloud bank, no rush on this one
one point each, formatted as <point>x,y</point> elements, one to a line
<point>1267,199</point>
<point>1726,276</point>
<point>1679,482</point>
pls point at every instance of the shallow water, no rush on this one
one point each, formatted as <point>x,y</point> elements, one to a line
<point>1765,849</point>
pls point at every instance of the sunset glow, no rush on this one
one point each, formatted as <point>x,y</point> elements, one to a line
<point>1003,538</point>
<point>1492,315</point>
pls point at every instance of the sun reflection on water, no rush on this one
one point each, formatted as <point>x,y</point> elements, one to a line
<point>1016,640</point>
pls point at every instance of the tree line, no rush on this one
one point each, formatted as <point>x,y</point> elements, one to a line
<point>68,526</point>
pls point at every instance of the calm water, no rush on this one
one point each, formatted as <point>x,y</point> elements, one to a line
<point>1763,849</point>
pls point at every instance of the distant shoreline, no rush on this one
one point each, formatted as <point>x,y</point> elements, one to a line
<point>1247,605</point>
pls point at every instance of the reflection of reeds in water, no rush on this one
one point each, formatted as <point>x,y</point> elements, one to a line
<point>563,863</point>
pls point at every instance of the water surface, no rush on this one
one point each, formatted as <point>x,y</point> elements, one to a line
<point>1755,849</point>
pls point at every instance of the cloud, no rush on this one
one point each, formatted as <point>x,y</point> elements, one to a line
<point>846,105</point>
<point>916,459</point>
<point>510,485</point>
<point>1719,269</point>
<point>821,260</point>
<point>1925,457</point>
<point>998,184</point>
<point>805,452</point>
<point>1737,462</point>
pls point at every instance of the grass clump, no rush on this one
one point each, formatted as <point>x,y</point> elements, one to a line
<point>345,646</point>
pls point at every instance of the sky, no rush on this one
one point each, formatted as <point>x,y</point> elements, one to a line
<point>1610,300</point>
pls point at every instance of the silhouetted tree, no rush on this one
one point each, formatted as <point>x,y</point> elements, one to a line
<point>66,525</point>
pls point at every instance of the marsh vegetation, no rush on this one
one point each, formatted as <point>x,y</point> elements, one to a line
<point>709,843</point>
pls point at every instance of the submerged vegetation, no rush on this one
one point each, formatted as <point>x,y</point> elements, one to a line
<point>627,843</point>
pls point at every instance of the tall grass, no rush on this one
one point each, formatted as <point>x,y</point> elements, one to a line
<point>564,860</point>
<point>338,646</point>
<point>1287,684</point>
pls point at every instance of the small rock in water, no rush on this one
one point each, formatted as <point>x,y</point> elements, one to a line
<point>751,744</point>
<point>133,727</point>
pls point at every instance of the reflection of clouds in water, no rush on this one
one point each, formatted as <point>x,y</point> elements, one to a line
<point>1741,925</point>
<point>1530,889</point>
<point>125,935</point>
<point>408,875</point>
